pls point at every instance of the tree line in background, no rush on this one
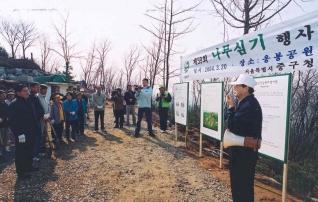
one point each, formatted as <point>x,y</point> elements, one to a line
<point>153,61</point>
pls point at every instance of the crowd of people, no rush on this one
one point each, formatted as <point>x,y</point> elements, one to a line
<point>26,114</point>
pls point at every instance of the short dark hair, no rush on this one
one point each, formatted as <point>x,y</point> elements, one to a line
<point>250,90</point>
<point>69,93</point>
<point>32,85</point>
<point>19,88</point>
<point>145,79</point>
<point>128,85</point>
<point>57,87</point>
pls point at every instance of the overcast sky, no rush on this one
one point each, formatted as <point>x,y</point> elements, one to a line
<point>119,21</point>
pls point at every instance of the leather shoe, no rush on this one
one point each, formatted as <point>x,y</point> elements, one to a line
<point>24,176</point>
<point>34,169</point>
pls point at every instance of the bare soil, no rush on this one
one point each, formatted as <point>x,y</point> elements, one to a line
<point>115,166</point>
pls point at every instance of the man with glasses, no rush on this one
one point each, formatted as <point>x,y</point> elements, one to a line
<point>245,121</point>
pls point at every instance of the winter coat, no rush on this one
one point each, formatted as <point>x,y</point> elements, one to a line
<point>22,119</point>
<point>99,100</point>
<point>84,106</point>
<point>163,103</point>
<point>4,115</point>
<point>70,106</point>
<point>130,95</point>
<point>39,111</point>
<point>118,102</point>
<point>55,112</point>
<point>144,97</point>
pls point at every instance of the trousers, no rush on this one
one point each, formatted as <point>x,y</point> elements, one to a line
<point>163,114</point>
<point>99,114</point>
<point>130,109</point>
<point>141,112</point>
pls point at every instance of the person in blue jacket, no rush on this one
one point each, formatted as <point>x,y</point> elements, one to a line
<point>71,113</point>
<point>143,97</point>
<point>246,121</point>
<point>82,113</point>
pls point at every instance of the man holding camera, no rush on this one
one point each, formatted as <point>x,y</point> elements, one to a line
<point>143,96</point>
<point>118,107</point>
<point>130,104</point>
<point>163,103</point>
<point>246,121</point>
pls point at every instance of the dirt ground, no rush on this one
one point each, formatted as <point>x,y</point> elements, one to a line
<point>115,166</point>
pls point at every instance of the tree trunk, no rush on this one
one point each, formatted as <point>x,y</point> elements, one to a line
<point>66,72</point>
<point>247,17</point>
<point>12,51</point>
<point>169,47</point>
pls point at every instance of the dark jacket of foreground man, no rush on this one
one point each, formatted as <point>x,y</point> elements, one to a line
<point>245,121</point>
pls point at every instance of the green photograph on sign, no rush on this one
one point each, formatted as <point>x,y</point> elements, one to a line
<point>210,120</point>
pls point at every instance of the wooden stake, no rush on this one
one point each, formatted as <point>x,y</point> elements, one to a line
<point>186,137</point>
<point>284,191</point>
<point>221,154</point>
<point>200,152</point>
<point>176,131</point>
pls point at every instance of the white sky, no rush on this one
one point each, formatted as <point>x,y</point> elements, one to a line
<point>119,21</point>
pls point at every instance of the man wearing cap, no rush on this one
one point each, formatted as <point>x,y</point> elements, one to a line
<point>45,104</point>
<point>58,117</point>
<point>39,111</point>
<point>130,104</point>
<point>163,103</point>
<point>99,102</point>
<point>81,113</point>
<point>246,121</point>
<point>144,97</point>
<point>118,108</point>
<point>10,98</point>
<point>4,122</point>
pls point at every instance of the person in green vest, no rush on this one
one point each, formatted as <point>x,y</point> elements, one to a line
<point>163,103</point>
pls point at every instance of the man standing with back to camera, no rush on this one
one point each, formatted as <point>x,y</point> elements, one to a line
<point>143,97</point>
<point>245,121</point>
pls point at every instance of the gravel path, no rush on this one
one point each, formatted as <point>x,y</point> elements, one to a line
<point>114,166</point>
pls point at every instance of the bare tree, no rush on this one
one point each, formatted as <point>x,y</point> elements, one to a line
<point>27,35</point>
<point>10,32</point>
<point>67,49</point>
<point>173,23</point>
<point>248,14</point>
<point>90,62</point>
<point>131,60</point>
<point>46,54</point>
<point>54,66</point>
<point>103,49</point>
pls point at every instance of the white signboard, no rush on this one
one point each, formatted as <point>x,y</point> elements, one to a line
<point>211,116</point>
<point>180,95</point>
<point>273,94</point>
<point>281,48</point>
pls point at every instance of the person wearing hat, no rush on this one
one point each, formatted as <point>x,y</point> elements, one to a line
<point>246,121</point>
<point>163,103</point>
<point>10,98</point>
<point>56,91</point>
<point>23,122</point>
<point>46,107</point>
<point>57,116</point>
<point>39,111</point>
<point>82,112</point>
<point>130,104</point>
<point>118,107</point>
<point>99,102</point>
<point>4,122</point>
<point>71,113</point>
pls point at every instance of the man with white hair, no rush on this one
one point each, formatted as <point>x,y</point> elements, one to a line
<point>246,121</point>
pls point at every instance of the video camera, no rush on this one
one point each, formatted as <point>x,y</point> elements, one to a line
<point>114,92</point>
<point>138,87</point>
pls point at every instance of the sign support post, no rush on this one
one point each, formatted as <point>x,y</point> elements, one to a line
<point>200,151</point>
<point>221,153</point>
<point>284,191</point>
<point>176,131</point>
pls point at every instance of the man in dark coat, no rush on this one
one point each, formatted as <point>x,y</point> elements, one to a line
<point>39,111</point>
<point>245,121</point>
<point>23,121</point>
<point>130,104</point>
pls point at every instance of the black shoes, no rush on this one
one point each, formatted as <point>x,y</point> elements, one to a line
<point>34,169</point>
<point>152,135</point>
<point>24,176</point>
<point>116,127</point>
<point>136,135</point>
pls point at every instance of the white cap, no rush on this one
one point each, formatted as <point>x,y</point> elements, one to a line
<point>82,90</point>
<point>246,80</point>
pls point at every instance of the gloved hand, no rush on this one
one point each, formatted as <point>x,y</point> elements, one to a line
<point>73,113</point>
<point>52,121</point>
<point>21,138</point>
<point>85,115</point>
<point>46,116</point>
<point>1,120</point>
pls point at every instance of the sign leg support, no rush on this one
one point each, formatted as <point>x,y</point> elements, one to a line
<point>284,191</point>
<point>221,154</point>
<point>176,131</point>
<point>200,152</point>
<point>186,137</point>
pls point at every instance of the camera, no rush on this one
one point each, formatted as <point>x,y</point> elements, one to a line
<point>114,92</point>
<point>138,87</point>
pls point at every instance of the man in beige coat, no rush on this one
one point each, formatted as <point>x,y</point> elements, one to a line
<point>99,102</point>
